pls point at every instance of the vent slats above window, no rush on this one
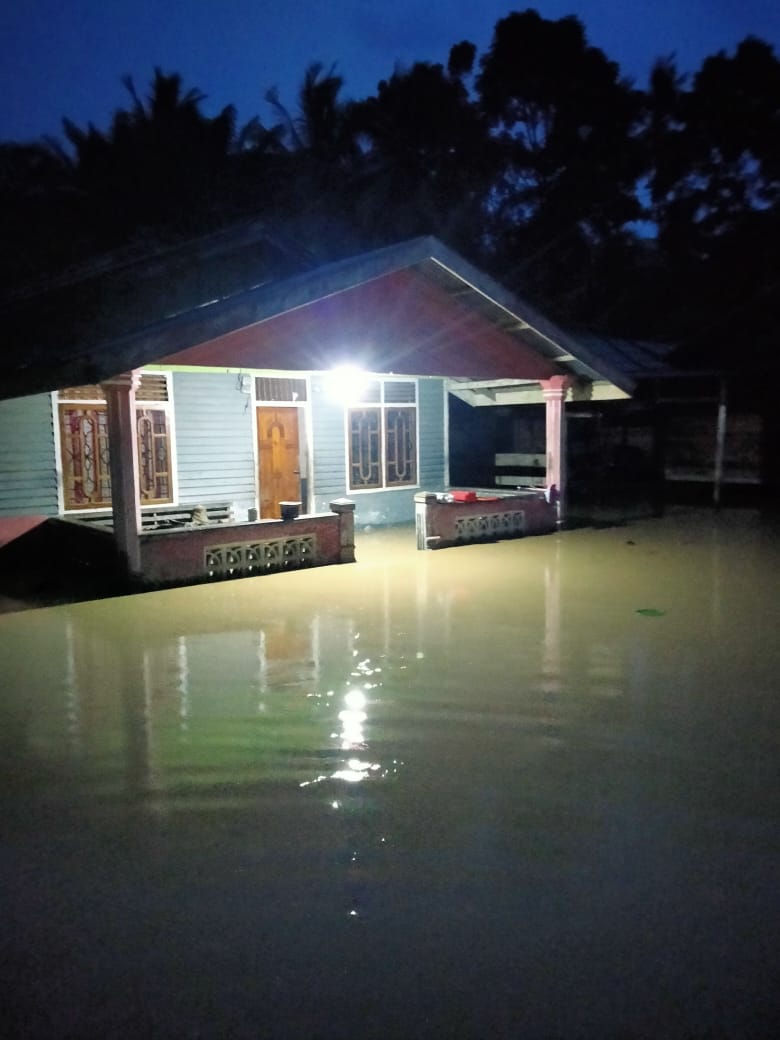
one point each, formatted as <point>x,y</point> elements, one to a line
<point>397,392</point>
<point>153,387</point>
<point>275,389</point>
<point>82,393</point>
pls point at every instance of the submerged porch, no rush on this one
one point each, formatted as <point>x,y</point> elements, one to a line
<point>59,551</point>
<point>48,561</point>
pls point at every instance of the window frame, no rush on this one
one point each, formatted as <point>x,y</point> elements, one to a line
<point>61,401</point>
<point>382,407</point>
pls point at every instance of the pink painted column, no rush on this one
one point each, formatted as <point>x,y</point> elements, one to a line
<point>554,392</point>
<point>123,449</point>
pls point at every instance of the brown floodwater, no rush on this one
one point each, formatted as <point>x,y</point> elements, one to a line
<point>526,789</point>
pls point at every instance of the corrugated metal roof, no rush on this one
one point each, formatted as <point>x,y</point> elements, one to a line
<point>638,359</point>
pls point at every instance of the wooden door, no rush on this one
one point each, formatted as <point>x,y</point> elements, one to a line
<point>278,445</point>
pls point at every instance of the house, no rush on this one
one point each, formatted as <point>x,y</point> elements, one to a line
<point>234,376</point>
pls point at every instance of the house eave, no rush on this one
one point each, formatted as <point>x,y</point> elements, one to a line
<point>512,319</point>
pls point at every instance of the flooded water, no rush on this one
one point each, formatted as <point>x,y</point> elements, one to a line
<point>526,789</point>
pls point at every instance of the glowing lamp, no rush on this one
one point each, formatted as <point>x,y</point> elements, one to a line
<point>345,384</point>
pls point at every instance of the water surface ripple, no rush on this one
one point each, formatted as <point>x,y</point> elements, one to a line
<point>526,789</point>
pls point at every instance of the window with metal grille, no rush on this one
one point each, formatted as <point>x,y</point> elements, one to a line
<point>83,424</point>
<point>86,478</point>
<point>383,438</point>
<point>154,455</point>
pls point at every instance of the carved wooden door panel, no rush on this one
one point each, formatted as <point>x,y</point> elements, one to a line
<point>278,445</point>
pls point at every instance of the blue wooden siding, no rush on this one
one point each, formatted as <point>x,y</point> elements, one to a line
<point>430,421</point>
<point>214,440</point>
<point>376,508</point>
<point>28,475</point>
<point>328,447</point>
<point>215,459</point>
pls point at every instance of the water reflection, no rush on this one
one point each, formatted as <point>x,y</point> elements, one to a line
<point>201,698</point>
<point>188,713</point>
<point>352,719</point>
<point>485,756</point>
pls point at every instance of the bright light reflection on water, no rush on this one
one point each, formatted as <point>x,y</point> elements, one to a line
<point>525,789</point>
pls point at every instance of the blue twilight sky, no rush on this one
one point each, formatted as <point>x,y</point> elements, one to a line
<point>66,57</point>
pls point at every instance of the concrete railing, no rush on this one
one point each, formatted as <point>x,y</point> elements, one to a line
<point>218,551</point>
<point>457,518</point>
<point>214,553</point>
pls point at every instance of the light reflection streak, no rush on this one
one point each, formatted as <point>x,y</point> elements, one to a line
<point>73,726</point>
<point>352,718</point>
<point>356,771</point>
<point>551,659</point>
<point>351,735</point>
<point>183,683</point>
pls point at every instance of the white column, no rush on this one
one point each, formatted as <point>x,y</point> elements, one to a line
<point>123,449</point>
<point>554,392</point>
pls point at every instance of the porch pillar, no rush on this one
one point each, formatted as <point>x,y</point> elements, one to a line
<point>123,450</point>
<point>346,514</point>
<point>554,392</point>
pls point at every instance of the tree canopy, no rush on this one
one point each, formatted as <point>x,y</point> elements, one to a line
<point>649,211</point>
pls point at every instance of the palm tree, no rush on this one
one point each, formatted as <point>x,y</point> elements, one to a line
<point>158,165</point>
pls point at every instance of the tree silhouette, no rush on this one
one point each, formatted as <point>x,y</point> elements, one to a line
<point>38,211</point>
<point>568,125</point>
<point>535,159</point>
<point>715,188</point>
<point>159,164</point>
<point>428,156</point>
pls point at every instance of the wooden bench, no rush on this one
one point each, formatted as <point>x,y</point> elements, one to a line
<point>202,514</point>
<point>517,469</point>
<point>156,518</point>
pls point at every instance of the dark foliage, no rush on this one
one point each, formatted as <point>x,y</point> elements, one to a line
<point>645,212</point>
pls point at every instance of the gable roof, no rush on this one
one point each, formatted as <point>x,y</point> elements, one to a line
<point>412,308</point>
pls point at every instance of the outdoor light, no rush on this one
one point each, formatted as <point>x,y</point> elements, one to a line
<point>345,384</point>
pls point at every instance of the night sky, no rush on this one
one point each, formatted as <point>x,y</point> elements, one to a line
<point>66,57</point>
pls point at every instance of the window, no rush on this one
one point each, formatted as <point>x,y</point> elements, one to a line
<point>86,474</point>
<point>383,436</point>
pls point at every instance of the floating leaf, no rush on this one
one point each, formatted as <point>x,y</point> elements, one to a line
<point>650,612</point>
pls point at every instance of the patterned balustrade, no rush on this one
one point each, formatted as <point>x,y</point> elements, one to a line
<point>490,525</point>
<point>189,553</point>
<point>243,559</point>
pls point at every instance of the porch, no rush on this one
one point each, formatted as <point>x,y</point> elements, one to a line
<point>461,517</point>
<point>61,559</point>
